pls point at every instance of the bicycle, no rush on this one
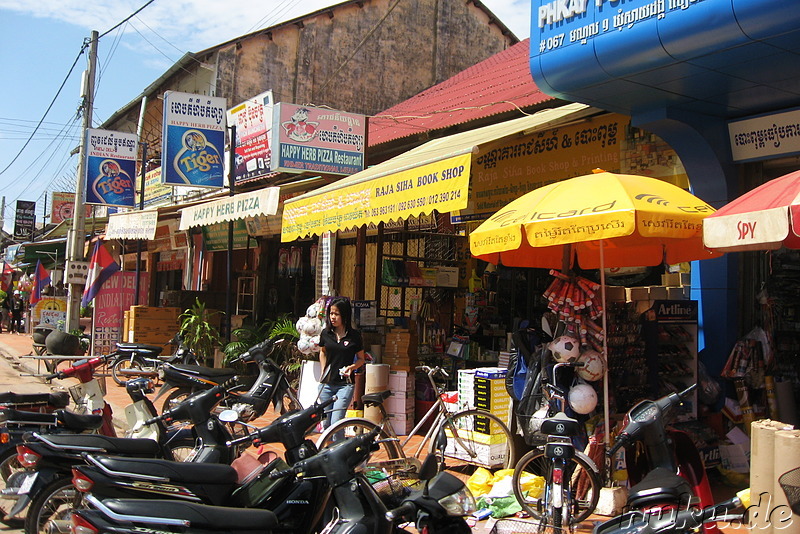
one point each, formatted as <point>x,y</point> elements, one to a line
<point>452,436</point>
<point>572,480</point>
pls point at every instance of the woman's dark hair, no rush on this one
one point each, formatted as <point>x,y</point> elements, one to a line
<point>345,310</point>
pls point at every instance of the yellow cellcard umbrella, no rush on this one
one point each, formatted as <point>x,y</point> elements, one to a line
<point>602,219</point>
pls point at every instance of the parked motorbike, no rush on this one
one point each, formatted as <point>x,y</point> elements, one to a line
<point>269,385</point>
<point>667,471</point>
<point>46,490</point>
<point>137,360</point>
<point>109,477</point>
<point>331,485</point>
<point>675,520</point>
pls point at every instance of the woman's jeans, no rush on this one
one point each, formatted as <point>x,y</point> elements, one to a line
<point>338,410</point>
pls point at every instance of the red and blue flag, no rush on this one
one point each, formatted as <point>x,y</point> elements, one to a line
<point>101,267</point>
<point>41,279</point>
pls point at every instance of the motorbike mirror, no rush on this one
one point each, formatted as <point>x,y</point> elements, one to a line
<point>229,416</point>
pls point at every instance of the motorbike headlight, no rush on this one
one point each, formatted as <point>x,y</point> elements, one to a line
<point>460,503</point>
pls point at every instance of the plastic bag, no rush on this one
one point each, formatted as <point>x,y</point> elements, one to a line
<point>500,506</point>
<point>480,482</point>
<point>532,485</point>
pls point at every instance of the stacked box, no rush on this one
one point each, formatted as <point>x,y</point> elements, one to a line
<point>491,396</point>
<point>466,389</point>
<point>152,325</point>
<point>400,406</point>
<point>400,351</point>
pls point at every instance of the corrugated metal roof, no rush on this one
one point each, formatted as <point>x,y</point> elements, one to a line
<point>496,85</point>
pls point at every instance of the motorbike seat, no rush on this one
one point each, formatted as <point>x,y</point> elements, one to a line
<point>78,421</point>
<point>186,472</point>
<point>220,375</point>
<point>11,416</point>
<point>57,399</point>
<point>660,486</point>
<point>142,348</point>
<point>200,516</point>
<point>376,399</point>
<point>133,446</point>
<point>560,425</point>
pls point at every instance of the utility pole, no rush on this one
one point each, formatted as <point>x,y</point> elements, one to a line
<point>77,238</point>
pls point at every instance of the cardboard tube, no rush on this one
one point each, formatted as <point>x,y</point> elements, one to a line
<point>377,377</point>
<point>787,457</point>
<point>762,479</point>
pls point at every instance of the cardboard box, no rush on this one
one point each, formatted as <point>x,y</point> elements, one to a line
<point>490,372</point>
<point>677,293</point>
<point>447,276</point>
<point>676,279</point>
<point>638,293</point>
<point>490,456</point>
<point>658,293</point>
<point>615,294</point>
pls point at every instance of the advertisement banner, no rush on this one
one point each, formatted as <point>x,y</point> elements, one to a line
<point>62,205</point>
<point>110,167</point>
<point>24,220</point>
<point>253,120</point>
<point>215,236</point>
<point>50,311</point>
<point>317,140</point>
<point>194,140</point>
<point>155,192</point>
<point>115,297</point>
<point>507,169</point>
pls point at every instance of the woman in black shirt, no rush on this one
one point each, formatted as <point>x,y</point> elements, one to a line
<point>341,353</point>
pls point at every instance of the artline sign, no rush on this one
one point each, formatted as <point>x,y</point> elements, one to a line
<point>194,140</point>
<point>316,139</point>
<point>110,167</point>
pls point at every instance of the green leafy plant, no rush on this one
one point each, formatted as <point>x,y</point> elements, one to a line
<point>286,354</point>
<point>198,333</point>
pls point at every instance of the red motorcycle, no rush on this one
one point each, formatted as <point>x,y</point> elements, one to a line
<point>667,471</point>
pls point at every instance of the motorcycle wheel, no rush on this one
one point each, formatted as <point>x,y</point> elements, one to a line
<point>389,456</point>
<point>54,502</point>
<point>8,467</point>
<point>175,397</point>
<point>583,501</point>
<point>124,364</point>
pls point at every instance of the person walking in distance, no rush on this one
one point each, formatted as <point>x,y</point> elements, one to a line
<point>341,353</point>
<point>5,310</point>
<point>16,306</point>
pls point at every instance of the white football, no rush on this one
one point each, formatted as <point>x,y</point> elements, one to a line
<point>582,398</point>
<point>594,365</point>
<point>565,349</point>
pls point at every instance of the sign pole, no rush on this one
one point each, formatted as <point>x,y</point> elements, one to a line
<point>231,180</point>
<point>78,236</point>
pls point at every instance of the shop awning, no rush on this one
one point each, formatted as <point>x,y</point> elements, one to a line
<point>433,176</point>
<point>261,202</point>
<point>132,225</point>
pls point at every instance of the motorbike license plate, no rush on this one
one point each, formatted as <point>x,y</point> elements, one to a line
<point>26,485</point>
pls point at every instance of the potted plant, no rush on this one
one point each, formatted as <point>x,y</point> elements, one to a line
<point>198,332</point>
<point>286,355</point>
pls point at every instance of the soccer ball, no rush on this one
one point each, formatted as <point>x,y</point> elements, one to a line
<point>565,349</point>
<point>582,399</point>
<point>593,366</point>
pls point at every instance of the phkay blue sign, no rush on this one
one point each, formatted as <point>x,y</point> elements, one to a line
<point>110,167</point>
<point>194,140</point>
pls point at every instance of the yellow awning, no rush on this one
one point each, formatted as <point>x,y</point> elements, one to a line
<point>433,176</point>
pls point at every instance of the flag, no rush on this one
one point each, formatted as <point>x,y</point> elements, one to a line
<point>41,279</point>
<point>101,267</point>
<point>5,280</point>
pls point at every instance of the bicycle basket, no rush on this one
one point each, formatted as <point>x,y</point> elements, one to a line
<point>790,482</point>
<point>395,487</point>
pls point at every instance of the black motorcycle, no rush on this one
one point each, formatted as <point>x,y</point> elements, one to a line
<point>136,359</point>
<point>46,487</point>
<point>268,385</point>
<point>332,494</point>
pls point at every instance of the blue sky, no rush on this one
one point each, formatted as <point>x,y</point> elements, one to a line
<point>41,40</point>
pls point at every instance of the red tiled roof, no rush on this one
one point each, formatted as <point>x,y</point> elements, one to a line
<point>498,84</point>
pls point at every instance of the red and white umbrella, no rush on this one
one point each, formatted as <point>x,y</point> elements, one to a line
<point>766,218</point>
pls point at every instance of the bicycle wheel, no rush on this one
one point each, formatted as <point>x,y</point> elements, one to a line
<point>468,447</point>
<point>389,456</point>
<point>582,474</point>
<point>124,364</point>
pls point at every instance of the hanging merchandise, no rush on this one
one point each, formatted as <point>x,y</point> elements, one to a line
<point>313,253</point>
<point>582,398</point>
<point>594,365</point>
<point>310,327</point>
<point>573,299</point>
<point>295,261</point>
<point>283,263</point>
